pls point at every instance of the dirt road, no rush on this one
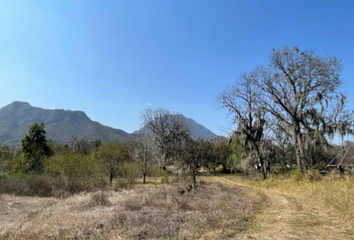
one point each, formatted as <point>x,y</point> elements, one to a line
<point>286,216</point>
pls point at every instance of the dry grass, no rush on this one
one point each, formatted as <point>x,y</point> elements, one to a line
<point>214,211</point>
<point>334,190</point>
<point>302,207</point>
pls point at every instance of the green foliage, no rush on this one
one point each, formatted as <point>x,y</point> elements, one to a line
<point>35,149</point>
<point>63,175</point>
<point>112,154</point>
<point>5,158</point>
<point>28,185</point>
<point>235,153</point>
<point>222,153</point>
<point>73,166</point>
<point>129,171</point>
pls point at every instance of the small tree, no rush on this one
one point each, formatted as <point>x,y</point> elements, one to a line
<point>112,153</point>
<point>193,156</point>
<point>35,149</point>
<point>143,154</point>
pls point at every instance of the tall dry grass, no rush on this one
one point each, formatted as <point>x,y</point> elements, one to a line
<point>334,190</point>
<point>213,211</point>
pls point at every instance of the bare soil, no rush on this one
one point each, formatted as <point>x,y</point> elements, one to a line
<point>294,216</point>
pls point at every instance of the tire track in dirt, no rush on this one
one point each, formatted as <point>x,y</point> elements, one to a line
<point>286,216</point>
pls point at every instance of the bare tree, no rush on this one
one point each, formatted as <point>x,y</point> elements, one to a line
<point>169,132</point>
<point>242,101</point>
<point>143,152</point>
<point>300,90</point>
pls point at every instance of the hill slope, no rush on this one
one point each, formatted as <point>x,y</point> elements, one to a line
<point>61,125</point>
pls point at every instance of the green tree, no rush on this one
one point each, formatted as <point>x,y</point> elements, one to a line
<point>35,149</point>
<point>112,154</point>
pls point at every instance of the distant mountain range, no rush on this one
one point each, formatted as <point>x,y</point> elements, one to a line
<point>63,125</point>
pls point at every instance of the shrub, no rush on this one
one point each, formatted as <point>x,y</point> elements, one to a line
<point>29,185</point>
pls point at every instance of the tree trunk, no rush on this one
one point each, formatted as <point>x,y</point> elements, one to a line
<point>144,172</point>
<point>194,172</point>
<point>224,168</point>
<point>111,175</point>
<point>264,169</point>
<point>144,177</point>
<point>298,146</point>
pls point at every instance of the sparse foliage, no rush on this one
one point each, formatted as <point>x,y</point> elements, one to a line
<point>242,101</point>
<point>298,94</point>
<point>143,154</point>
<point>302,92</point>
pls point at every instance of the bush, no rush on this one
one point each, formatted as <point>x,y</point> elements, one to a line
<point>29,185</point>
<point>130,171</point>
<point>77,172</point>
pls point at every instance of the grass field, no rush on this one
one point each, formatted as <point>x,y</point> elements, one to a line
<point>213,211</point>
<point>334,190</point>
<point>302,206</point>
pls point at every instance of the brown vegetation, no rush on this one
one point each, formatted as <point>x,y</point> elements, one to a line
<point>213,211</point>
<point>302,206</point>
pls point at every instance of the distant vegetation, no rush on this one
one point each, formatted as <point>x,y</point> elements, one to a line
<point>283,116</point>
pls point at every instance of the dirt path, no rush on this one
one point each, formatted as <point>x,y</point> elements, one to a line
<point>286,216</point>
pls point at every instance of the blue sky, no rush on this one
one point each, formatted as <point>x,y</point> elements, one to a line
<point>113,59</point>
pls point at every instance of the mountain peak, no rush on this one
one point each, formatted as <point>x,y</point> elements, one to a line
<point>61,125</point>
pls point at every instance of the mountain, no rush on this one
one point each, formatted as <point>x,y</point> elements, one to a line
<point>197,130</point>
<point>61,125</point>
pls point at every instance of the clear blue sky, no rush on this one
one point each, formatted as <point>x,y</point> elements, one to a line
<point>113,59</point>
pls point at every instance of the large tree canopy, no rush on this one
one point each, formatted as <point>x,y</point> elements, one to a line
<point>300,95</point>
<point>302,92</point>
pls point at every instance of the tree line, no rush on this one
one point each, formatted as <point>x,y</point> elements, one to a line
<point>84,163</point>
<point>283,114</point>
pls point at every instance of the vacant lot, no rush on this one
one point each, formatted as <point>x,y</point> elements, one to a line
<point>213,211</point>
